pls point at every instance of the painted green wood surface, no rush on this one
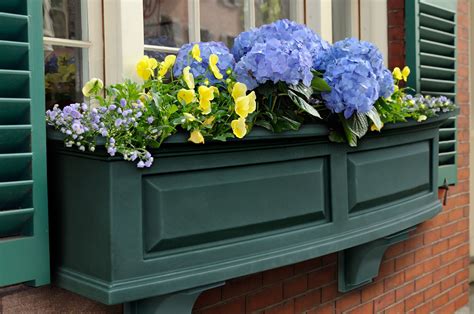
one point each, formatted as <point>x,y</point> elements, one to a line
<point>207,213</point>
<point>430,40</point>
<point>24,242</point>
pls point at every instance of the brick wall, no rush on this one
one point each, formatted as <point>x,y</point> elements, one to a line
<point>428,272</point>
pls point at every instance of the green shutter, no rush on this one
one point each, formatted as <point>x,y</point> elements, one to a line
<point>430,35</point>
<point>24,251</point>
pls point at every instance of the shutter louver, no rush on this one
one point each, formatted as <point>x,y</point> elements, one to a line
<point>24,252</point>
<point>431,54</point>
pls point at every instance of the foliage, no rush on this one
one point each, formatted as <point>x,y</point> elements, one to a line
<point>293,76</point>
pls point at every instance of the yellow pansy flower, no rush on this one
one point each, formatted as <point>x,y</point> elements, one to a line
<point>245,105</point>
<point>93,86</point>
<point>215,89</point>
<point>213,59</point>
<point>146,67</point>
<point>405,73</point>
<point>397,74</point>
<point>186,95</point>
<point>238,127</point>
<point>196,137</point>
<point>188,77</point>
<point>239,90</point>
<point>206,94</point>
<point>166,65</point>
<point>252,102</point>
<point>196,53</point>
<point>209,121</point>
<point>242,106</point>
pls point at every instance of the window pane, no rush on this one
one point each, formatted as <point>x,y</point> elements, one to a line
<point>221,20</point>
<point>267,11</point>
<point>62,19</point>
<point>63,75</point>
<point>166,22</point>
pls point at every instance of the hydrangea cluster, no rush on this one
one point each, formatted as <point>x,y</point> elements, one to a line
<point>275,61</point>
<point>284,31</point>
<point>201,68</point>
<point>354,48</point>
<point>118,124</point>
<point>354,86</point>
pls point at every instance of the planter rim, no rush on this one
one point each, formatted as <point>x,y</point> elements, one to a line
<point>259,133</point>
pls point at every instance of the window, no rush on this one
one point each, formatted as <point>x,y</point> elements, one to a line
<point>168,24</point>
<point>69,48</point>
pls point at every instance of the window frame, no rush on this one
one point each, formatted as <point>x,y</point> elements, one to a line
<point>92,44</point>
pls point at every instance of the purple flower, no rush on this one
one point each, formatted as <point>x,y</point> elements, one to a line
<point>123,102</point>
<point>111,150</point>
<point>150,120</point>
<point>354,86</point>
<point>140,164</point>
<point>354,48</point>
<point>118,122</point>
<point>112,107</point>
<point>275,61</point>
<point>284,31</point>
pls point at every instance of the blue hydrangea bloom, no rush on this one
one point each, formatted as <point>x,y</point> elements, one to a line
<point>285,31</point>
<point>354,86</point>
<point>354,48</point>
<point>184,59</point>
<point>275,61</point>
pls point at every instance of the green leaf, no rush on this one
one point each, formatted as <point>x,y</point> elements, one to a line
<point>301,89</point>
<point>265,124</point>
<point>223,137</point>
<point>337,137</point>
<point>375,117</point>
<point>286,124</point>
<point>320,85</point>
<point>358,124</point>
<point>350,136</point>
<point>303,104</point>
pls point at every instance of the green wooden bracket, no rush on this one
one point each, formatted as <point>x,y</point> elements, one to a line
<point>359,265</point>
<point>180,302</point>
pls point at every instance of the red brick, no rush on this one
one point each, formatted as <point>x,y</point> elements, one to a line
<point>431,292</point>
<point>424,309</point>
<point>462,275</point>
<point>322,276</point>
<point>423,253</point>
<point>462,301</point>
<point>445,308</point>
<point>440,273</point>
<point>394,281</point>
<point>432,236</point>
<point>329,293</point>
<point>403,292</point>
<point>328,308</point>
<point>413,301</point>
<point>308,265</point>
<point>384,301</point>
<point>440,246</point>
<point>395,4</point>
<point>458,239</point>
<point>372,291</point>
<point>413,243</point>
<point>329,259</point>
<point>447,283</point>
<point>282,308</point>
<point>448,230</point>
<point>242,285</point>
<point>404,261</point>
<point>423,282</point>
<point>235,306</point>
<point>440,300</point>
<point>396,18</point>
<point>432,264</point>
<point>455,292</point>
<point>363,309</point>
<point>265,297</point>
<point>295,286</point>
<point>348,301</point>
<point>394,250</point>
<point>413,272</point>
<point>277,274</point>
<point>398,308</point>
<point>308,301</point>
<point>454,267</point>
